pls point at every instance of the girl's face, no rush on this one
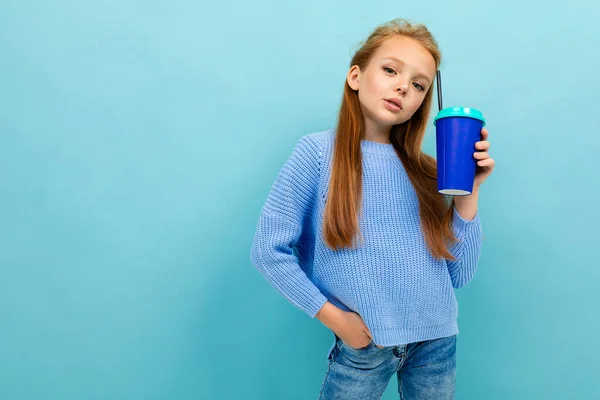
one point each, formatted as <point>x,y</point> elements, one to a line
<point>394,83</point>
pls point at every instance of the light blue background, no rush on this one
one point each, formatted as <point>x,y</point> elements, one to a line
<point>138,142</point>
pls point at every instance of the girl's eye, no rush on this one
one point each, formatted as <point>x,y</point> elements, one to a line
<point>389,70</point>
<point>418,86</point>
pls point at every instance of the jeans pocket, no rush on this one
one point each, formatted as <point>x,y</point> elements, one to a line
<point>368,346</point>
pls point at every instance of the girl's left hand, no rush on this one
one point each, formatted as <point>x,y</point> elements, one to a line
<point>485,164</point>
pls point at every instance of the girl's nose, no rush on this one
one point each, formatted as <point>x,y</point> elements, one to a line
<point>402,88</point>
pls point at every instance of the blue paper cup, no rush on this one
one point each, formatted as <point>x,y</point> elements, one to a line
<point>457,131</point>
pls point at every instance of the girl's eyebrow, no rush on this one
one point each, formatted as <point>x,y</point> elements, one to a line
<point>419,75</point>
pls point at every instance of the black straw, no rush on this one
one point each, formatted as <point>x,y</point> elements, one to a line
<point>438,76</point>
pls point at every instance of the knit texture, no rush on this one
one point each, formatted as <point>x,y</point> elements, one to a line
<point>391,280</point>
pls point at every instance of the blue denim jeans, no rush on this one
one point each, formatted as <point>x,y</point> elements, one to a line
<point>425,370</point>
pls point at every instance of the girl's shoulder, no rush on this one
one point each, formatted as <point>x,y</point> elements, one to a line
<point>311,154</point>
<point>320,142</point>
<point>321,136</point>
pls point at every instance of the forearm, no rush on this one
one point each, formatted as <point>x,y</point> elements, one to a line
<point>466,206</point>
<point>467,229</point>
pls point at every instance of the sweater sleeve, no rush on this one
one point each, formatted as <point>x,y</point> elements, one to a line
<point>288,204</point>
<point>467,250</point>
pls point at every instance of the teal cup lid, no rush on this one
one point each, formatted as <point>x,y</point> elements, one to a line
<point>460,112</point>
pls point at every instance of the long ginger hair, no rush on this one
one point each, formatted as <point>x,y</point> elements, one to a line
<point>340,225</point>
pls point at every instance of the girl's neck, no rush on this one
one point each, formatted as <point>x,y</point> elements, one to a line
<point>376,133</point>
<point>377,139</point>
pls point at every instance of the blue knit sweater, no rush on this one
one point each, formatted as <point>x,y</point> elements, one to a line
<point>392,281</point>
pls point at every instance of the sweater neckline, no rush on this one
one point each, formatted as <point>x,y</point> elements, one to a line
<point>376,147</point>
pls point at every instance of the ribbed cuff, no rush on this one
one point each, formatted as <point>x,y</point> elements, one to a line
<point>315,305</point>
<point>461,224</point>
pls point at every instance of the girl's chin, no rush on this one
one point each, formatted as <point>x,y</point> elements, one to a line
<point>389,122</point>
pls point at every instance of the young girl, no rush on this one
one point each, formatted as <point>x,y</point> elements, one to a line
<point>354,232</point>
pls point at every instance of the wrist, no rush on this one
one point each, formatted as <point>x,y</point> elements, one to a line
<point>475,191</point>
<point>330,316</point>
<point>466,206</point>
<point>465,199</point>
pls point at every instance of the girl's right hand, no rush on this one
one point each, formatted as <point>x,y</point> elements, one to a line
<point>347,325</point>
<point>353,331</point>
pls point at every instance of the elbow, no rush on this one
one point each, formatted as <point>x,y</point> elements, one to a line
<point>460,281</point>
<point>255,257</point>
<point>456,284</point>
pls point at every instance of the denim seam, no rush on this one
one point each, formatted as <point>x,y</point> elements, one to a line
<point>329,362</point>
<point>400,387</point>
<point>325,380</point>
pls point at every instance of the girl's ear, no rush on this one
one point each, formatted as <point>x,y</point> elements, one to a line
<point>353,77</point>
